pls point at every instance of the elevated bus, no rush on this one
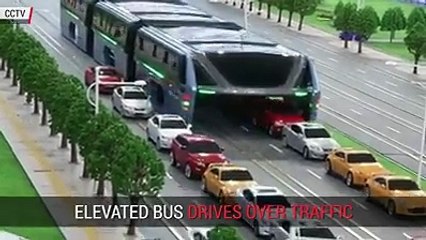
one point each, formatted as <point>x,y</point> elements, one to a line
<point>192,60</point>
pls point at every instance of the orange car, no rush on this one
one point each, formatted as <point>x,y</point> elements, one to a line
<point>355,166</point>
<point>223,179</point>
<point>400,195</point>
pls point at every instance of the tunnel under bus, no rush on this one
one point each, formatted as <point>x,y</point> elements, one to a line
<point>264,99</point>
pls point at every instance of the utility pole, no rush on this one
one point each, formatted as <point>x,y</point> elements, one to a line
<point>246,13</point>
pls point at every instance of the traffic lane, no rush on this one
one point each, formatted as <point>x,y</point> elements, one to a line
<point>392,131</point>
<point>370,138</point>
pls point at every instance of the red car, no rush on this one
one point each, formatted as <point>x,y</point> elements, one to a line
<point>106,74</point>
<point>194,153</point>
<point>273,115</point>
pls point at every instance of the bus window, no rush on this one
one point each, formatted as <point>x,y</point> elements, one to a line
<point>201,76</point>
<point>141,43</point>
<point>166,57</point>
<point>154,51</point>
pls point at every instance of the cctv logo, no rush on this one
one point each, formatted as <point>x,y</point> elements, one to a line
<point>21,15</point>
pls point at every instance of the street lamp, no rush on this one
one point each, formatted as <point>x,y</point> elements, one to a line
<point>139,83</point>
<point>423,140</point>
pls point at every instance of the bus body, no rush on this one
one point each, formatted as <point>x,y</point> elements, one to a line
<point>188,56</point>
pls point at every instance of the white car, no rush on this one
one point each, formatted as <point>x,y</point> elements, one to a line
<point>261,196</point>
<point>163,128</point>
<point>132,102</point>
<point>199,233</point>
<point>301,229</point>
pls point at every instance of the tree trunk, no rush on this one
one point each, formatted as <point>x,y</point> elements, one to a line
<point>14,79</point>
<point>52,131</point>
<point>346,43</point>
<point>242,5</point>
<point>280,15</point>
<point>101,187</point>
<point>268,16</point>
<point>360,46</point>
<point>74,158</point>
<point>131,231</point>
<point>28,98</point>
<point>36,105</point>
<point>3,64</point>
<point>64,140</point>
<point>416,61</point>
<point>250,6</point>
<point>7,72</point>
<point>85,170</point>
<point>290,17</point>
<point>259,9</point>
<point>21,88</point>
<point>43,114</point>
<point>234,3</point>
<point>392,36</point>
<point>300,22</point>
<point>114,195</point>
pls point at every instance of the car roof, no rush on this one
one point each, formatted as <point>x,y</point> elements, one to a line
<point>309,125</point>
<point>169,117</point>
<point>265,190</point>
<point>396,177</point>
<point>227,166</point>
<point>132,88</point>
<point>353,151</point>
<point>197,137</point>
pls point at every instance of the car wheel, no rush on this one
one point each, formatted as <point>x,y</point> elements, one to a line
<point>148,137</point>
<point>172,159</point>
<point>158,144</point>
<point>271,131</point>
<point>204,186</point>
<point>285,142</point>
<point>256,228</point>
<point>329,167</point>
<point>367,193</point>
<point>349,180</point>
<point>305,153</point>
<point>390,208</point>
<point>188,171</point>
<point>221,198</point>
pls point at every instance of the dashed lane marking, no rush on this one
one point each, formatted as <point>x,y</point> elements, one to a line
<point>332,59</point>
<point>325,97</point>
<point>275,148</point>
<point>356,112</point>
<point>359,204</point>
<point>393,130</point>
<point>391,83</point>
<point>244,128</point>
<point>361,71</point>
<point>169,176</point>
<point>314,174</point>
<point>407,236</point>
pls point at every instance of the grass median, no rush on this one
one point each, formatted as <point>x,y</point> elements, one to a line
<point>347,141</point>
<point>15,183</point>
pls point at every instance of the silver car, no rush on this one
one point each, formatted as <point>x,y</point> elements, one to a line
<point>310,139</point>
<point>132,102</point>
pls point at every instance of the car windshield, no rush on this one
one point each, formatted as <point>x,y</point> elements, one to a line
<point>173,124</point>
<point>134,95</point>
<point>361,158</point>
<point>236,175</point>
<point>316,133</point>
<point>272,200</point>
<point>107,72</point>
<point>204,147</point>
<point>323,233</point>
<point>404,185</point>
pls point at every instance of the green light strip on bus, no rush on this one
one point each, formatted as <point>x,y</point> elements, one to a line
<point>107,38</point>
<point>300,94</point>
<point>72,15</point>
<point>153,70</point>
<point>206,91</point>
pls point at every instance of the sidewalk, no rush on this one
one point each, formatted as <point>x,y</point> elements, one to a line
<point>330,38</point>
<point>45,163</point>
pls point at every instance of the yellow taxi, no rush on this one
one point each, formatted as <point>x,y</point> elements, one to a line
<point>400,195</point>
<point>355,166</point>
<point>222,180</point>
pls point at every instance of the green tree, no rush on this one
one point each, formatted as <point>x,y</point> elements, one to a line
<point>15,52</point>
<point>260,7</point>
<point>279,4</point>
<point>269,4</point>
<point>138,172</point>
<point>417,15</point>
<point>393,20</point>
<point>416,43</point>
<point>365,23</point>
<point>344,18</point>
<point>338,8</point>
<point>5,27</point>
<point>50,100</point>
<point>290,6</point>
<point>305,8</point>
<point>223,233</point>
<point>7,37</point>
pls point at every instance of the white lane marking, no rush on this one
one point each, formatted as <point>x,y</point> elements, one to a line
<point>47,42</point>
<point>142,126</point>
<point>313,173</point>
<point>407,236</point>
<point>395,95</point>
<point>244,128</point>
<point>43,10</point>
<point>348,229</point>
<point>169,176</point>
<point>393,130</point>
<point>391,83</point>
<point>325,66</point>
<point>325,97</point>
<point>49,36</point>
<point>275,148</point>
<point>361,71</point>
<point>332,59</point>
<point>359,204</point>
<point>356,112</point>
<point>308,50</point>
